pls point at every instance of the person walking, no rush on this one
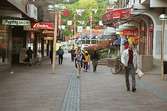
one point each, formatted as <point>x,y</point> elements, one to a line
<point>60,53</point>
<point>72,51</point>
<point>129,60</point>
<point>29,53</point>
<point>78,61</point>
<point>95,58</point>
<point>86,61</point>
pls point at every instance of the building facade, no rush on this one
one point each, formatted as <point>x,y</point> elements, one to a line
<point>14,18</point>
<point>144,15</point>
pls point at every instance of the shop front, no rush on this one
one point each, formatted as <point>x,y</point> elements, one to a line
<point>12,39</point>
<point>46,42</point>
<point>13,19</point>
<point>141,34</point>
<point>18,36</point>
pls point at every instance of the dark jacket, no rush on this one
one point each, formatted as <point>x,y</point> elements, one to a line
<point>60,52</point>
<point>29,53</point>
<point>95,56</point>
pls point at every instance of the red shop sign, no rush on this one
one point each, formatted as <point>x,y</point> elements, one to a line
<point>43,25</point>
<point>130,32</point>
<point>117,14</point>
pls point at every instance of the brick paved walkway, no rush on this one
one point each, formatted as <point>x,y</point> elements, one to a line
<point>34,88</point>
<point>37,89</point>
<point>103,91</point>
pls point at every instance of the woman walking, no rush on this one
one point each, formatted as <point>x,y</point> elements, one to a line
<point>78,61</point>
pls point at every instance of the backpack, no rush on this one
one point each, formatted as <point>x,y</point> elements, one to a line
<point>60,52</point>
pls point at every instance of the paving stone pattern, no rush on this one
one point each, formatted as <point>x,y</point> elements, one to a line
<point>37,89</point>
<point>72,97</point>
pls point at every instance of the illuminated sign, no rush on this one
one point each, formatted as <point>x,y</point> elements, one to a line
<point>130,32</point>
<point>43,25</point>
<point>15,22</point>
<point>112,15</point>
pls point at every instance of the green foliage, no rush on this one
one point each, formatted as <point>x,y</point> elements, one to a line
<point>67,32</point>
<point>87,5</point>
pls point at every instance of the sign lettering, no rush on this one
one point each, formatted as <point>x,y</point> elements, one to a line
<point>15,22</point>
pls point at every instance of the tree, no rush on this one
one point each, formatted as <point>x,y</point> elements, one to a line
<point>87,6</point>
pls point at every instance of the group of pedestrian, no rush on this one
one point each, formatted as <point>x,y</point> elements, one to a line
<point>129,59</point>
<point>83,58</point>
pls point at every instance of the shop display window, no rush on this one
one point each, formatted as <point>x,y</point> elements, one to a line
<point>4,58</point>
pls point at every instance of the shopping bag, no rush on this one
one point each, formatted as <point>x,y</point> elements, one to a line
<point>139,73</point>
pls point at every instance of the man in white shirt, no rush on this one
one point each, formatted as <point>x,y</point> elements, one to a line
<point>129,60</point>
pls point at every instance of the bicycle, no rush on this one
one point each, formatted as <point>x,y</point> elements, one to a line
<point>117,66</point>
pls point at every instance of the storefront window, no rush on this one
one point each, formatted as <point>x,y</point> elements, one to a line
<point>4,58</point>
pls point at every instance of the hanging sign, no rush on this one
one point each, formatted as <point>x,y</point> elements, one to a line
<point>15,22</point>
<point>69,22</point>
<point>43,25</point>
<point>116,14</point>
<point>130,32</point>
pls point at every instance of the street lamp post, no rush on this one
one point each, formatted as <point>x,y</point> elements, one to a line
<point>54,41</point>
<point>91,27</point>
<point>56,9</point>
<point>91,23</point>
<point>163,18</point>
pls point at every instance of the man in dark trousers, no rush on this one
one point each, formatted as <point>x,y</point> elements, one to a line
<point>129,60</point>
<point>94,58</point>
<point>60,53</point>
<point>29,55</point>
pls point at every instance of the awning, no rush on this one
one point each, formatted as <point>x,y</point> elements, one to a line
<point>113,16</point>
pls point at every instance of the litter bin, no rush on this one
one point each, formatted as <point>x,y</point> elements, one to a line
<point>165,67</point>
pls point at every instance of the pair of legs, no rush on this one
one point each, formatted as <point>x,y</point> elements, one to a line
<point>29,61</point>
<point>72,57</point>
<point>94,63</point>
<point>78,66</point>
<point>130,70</point>
<point>60,59</point>
<point>86,66</point>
